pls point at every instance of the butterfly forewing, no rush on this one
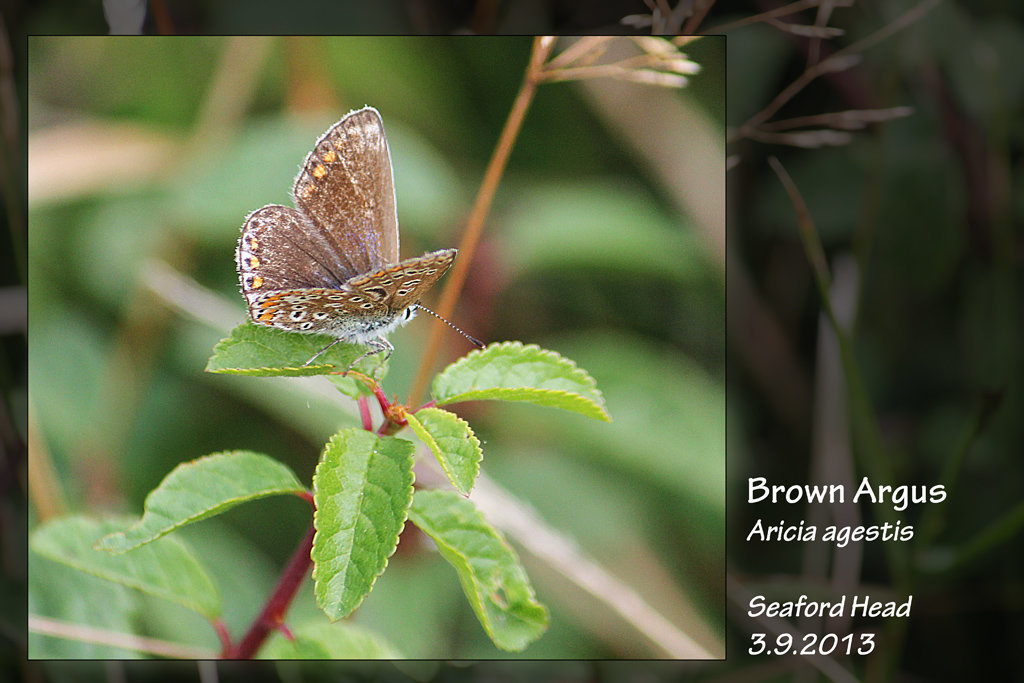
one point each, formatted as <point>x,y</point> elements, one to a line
<point>346,189</point>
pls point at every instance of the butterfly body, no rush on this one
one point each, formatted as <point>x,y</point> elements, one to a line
<point>330,265</point>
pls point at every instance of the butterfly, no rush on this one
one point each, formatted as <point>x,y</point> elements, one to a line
<point>330,265</point>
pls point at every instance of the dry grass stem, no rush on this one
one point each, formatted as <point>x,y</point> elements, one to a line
<point>584,50</point>
<point>808,139</point>
<point>783,11</point>
<point>851,119</point>
<point>665,20</point>
<point>808,233</point>
<point>661,63</point>
<point>806,31</point>
<point>839,61</point>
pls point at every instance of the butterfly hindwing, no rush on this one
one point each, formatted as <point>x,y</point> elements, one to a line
<point>403,285</point>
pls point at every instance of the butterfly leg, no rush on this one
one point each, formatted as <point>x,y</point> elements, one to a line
<point>377,345</point>
<point>320,352</point>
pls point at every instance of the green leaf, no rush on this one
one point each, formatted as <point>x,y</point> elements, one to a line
<point>510,371</point>
<point>264,351</point>
<point>166,569</point>
<point>454,445</point>
<point>362,488</point>
<point>324,640</point>
<point>492,578</point>
<point>203,488</point>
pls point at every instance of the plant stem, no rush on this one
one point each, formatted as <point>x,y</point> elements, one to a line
<point>364,413</point>
<point>223,636</point>
<point>272,616</point>
<point>542,47</point>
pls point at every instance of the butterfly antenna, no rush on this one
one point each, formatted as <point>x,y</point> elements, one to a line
<point>476,342</point>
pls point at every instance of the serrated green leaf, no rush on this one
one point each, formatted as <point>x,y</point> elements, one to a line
<point>263,351</point>
<point>453,443</point>
<point>324,640</point>
<point>205,487</point>
<point>362,488</point>
<point>166,568</point>
<point>510,371</point>
<point>492,578</point>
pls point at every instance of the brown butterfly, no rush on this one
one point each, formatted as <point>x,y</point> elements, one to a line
<point>330,266</point>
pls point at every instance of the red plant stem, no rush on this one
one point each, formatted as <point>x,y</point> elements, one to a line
<point>223,636</point>
<point>382,399</point>
<point>364,413</point>
<point>272,616</point>
<point>429,404</point>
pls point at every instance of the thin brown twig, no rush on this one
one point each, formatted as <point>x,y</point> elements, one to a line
<point>837,62</point>
<point>825,10</point>
<point>851,119</point>
<point>816,33</point>
<point>542,47</point>
<point>651,76</point>
<point>577,51</point>
<point>805,139</point>
<point>784,11</point>
<point>700,12</point>
<point>840,60</point>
